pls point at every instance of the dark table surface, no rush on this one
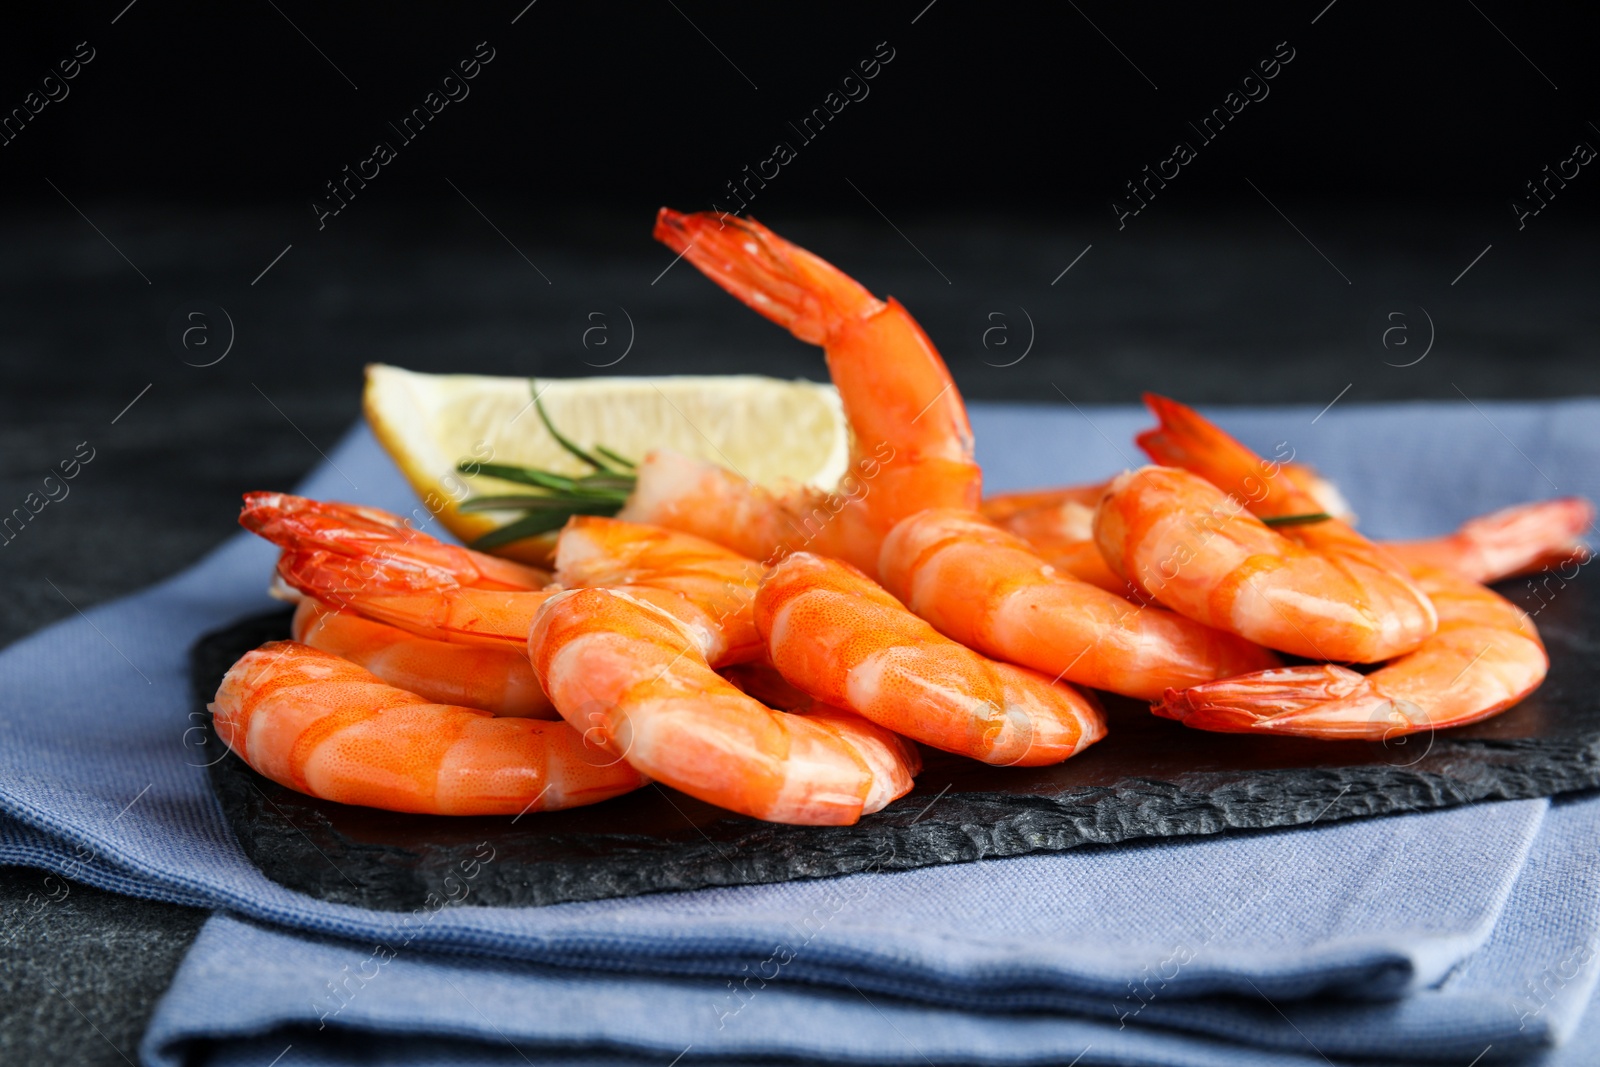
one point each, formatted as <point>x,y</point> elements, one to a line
<point>1239,309</point>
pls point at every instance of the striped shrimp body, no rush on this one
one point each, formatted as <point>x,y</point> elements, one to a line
<point>912,444</point>
<point>840,637</point>
<point>327,727</point>
<point>1059,523</point>
<point>1516,540</point>
<point>635,679</point>
<point>705,586</point>
<point>412,583</point>
<point>1198,551</point>
<point>1485,656</point>
<point>986,589</point>
<point>498,680</point>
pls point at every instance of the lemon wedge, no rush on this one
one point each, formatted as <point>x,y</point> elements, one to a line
<point>767,429</point>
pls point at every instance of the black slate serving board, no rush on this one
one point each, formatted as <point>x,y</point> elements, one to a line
<point>1149,778</point>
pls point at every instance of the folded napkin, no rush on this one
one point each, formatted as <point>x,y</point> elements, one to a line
<point>99,778</point>
<point>256,990</point>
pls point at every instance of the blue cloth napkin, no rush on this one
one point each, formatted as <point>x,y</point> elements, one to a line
<point>100,777</point>
<point>1524,988</point>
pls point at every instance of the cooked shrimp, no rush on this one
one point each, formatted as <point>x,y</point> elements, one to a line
<point>1189,440</point>
<point>838,636</point>
<point>329,728</point>
<point>499,681</point>
<point>432,605</point>
<point>1512,541</point>
<point>414,583</point>
<point>1516,540</point>
<point>984,588</point>
<point>363,535</point>
<point>1062,534</point>
<point>636,680</point>
<point>371,562</point>
<point>912,444</point>
<point>1058,524</point>
<point>1197,550</point>
<point>1484,657</point>
<point>713,587</point>
<point>1000,508</point>
<point>1340,597</point>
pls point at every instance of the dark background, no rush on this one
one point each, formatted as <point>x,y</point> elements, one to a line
<point>981,164</point>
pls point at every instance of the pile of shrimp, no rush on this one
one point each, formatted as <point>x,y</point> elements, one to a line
<point>782,653</point>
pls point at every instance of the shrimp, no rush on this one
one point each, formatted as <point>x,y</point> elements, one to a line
<point>332,729</point>
<point>499,681</point>
<point>414,583</point>
<point>417,586</point>
<point>712,588</point>
<point>1485,656</point>
<point>1059,524</point>
<point>1510,542</point>
<point>912,444</point>
<point>352,532</point>
<point>835,634</point>
<point>984,588</point>
<point>374,564</point>
<point>1062,534</point>
<point>1031,504</point>
<point>636,680</point>
<point>1000,508</point>
<point>1198,551</point>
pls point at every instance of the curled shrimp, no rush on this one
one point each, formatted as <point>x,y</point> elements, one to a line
<point>835,634</point>
<point>422,586</point>
<point>1516,540</point>
<point>1002,508</point>
<point>1316,589</point>
<point>361,536</point>
<point>912,444</point>
<point>706,586</point>
<point>1484,657</point>
<point>636,680</point>
<point>986,589</point>
<point>332,729</point>
<point>1200,552</point>
<point>370,562</point>
<point>1059,524</point>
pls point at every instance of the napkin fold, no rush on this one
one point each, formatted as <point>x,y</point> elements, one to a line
<point>1525,988</point>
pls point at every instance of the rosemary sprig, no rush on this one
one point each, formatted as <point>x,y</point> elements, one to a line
<point>532,524</point>
<point>1298,520</point>
<point>608,485</point>
<point>613,457</point>
<point>600,493</point>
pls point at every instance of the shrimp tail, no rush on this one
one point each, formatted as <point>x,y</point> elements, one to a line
<point>1521,539</point>
<point>800,292</point>
<point>1552,527</point>
<point>1288,700</point>
<point>1189,440</point>
<point>376,538</point>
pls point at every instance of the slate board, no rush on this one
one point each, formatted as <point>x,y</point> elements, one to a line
<point>1150,777</point>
